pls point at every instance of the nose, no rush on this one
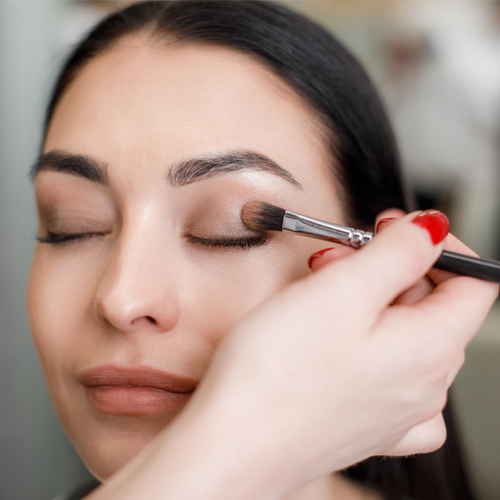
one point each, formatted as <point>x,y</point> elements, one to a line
<point>138,290</point>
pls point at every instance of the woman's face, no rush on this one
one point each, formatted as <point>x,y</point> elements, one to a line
<point>144,264</point>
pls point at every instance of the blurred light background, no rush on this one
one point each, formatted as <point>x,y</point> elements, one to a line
<point>437,64</point>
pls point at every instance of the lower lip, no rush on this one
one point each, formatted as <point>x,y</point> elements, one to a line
<point>134,401</point>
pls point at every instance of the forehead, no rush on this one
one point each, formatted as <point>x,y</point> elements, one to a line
<point>163,103</point>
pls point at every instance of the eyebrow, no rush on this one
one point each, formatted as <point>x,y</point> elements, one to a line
<point>180,174</point>
<point>197,169</point>
<point>82,165</point>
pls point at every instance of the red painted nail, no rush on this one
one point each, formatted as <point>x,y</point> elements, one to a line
<point>435,223</point>
<point>383,221</point>
<point>316,255</point>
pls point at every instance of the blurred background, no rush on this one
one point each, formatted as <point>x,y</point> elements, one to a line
<point>436,63</point>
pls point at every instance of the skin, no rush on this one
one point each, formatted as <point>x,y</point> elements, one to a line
<point>138,292</point>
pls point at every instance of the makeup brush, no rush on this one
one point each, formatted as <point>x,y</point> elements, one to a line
<point>261,216</point>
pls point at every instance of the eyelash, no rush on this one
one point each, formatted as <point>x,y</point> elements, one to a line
<point>58,238</point>
<point>221,243</point>
<point>213,243</point>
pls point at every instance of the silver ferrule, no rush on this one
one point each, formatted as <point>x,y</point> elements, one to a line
<point>323,230</point>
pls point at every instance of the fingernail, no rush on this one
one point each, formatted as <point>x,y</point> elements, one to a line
<point>316,255</point>
<point>435,223</point>
<point>383,221</point>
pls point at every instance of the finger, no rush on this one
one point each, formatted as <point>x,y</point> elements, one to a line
<point>391,213</point>
<point>391,263</point>
<point>468,298</point>
<point>382,223</point>
<point>473,289</point>
<point>417,292</point>
<point>319,259</point>
<point>386,217</point>
<point>422,287</point>
<point>459,305</point>
<point>423,438</point>
<point>452,243</point>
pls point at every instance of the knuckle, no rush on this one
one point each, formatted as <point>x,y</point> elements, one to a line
<point>437,434</point>
<point>435,440</point>
<point>425,437</point>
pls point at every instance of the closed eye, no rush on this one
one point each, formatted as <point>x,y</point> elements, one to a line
<point>55,238</point>
<point>226,243</point>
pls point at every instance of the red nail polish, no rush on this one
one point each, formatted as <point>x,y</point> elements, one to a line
<point>316,255</point>
<point>382,221</point>
<point>435,223</point>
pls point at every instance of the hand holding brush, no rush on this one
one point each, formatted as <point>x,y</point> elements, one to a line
<point>263,217</point>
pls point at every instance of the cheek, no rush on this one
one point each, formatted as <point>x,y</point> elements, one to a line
<point>59,304</point>
<point>224,288</point>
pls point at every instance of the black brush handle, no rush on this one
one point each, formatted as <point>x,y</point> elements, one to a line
<point>487,270</point>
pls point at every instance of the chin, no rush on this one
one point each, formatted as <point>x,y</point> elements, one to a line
<point>104,460</point>
<point>105,455</point>
<point>106,444</point>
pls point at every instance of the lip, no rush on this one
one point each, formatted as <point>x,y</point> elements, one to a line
<point>135,391</point>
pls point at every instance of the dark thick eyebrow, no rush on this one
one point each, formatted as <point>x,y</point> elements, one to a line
<point>61,161</point>
<point>197,169</point>
<point>182,173</point>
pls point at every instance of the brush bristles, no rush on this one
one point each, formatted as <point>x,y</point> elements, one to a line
<point>260,216</point>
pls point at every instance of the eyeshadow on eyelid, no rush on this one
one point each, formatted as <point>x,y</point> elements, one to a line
<point>58,219</point>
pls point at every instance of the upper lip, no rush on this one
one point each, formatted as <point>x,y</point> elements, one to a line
<point>140,376</point>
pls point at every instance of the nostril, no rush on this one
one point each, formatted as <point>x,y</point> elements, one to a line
<point>151,320</point>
